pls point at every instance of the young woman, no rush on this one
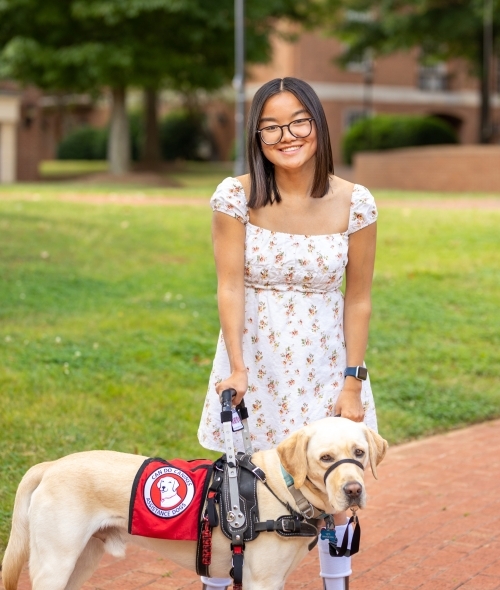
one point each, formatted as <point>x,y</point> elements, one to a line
<point>284,236</point>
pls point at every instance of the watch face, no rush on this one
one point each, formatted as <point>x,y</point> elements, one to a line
<point>362,373</point>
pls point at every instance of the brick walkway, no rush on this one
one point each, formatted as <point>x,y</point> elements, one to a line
<point>433,523</point>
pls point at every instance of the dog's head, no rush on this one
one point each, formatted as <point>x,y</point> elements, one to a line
<point>308,453</point>
<point>168,486</point>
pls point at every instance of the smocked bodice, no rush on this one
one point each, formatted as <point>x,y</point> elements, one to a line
<point>291,262</point>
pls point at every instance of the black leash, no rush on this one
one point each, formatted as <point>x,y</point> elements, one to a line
<point>343,551</point>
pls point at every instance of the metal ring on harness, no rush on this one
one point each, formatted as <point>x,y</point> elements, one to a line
<point>332,467</point>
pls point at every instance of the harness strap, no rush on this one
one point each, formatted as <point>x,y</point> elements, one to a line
<point>237,570</point>
<point>332,467</point>
<point>305,507</point>
<point>206,543</point>
<point>288,525</point>
<point>214,494</point>
<point>209,520</point>
<point>245,462</point>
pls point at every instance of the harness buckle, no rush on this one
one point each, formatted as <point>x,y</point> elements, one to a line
<point>309,511</point>
<point>288,525</point>
<point>259,474</point>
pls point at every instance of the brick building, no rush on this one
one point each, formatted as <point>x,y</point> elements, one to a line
<point>392,84</point>
<point>399,85</point>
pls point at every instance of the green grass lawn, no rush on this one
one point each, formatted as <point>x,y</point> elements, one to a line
<point>54,168</point>
<point>188,179</point>
<point>108,325</point>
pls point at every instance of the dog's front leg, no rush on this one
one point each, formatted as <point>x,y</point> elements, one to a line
<point>270,559</point>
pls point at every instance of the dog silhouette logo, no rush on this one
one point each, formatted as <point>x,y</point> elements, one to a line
<point>168,488</point>
<point>168,492</point>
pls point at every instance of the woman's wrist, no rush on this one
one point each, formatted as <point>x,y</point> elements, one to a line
<point>352,384</point>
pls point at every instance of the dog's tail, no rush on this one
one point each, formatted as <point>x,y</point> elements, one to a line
<point>17,551</point>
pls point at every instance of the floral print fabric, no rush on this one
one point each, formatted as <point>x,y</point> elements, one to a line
<point>293,338</point>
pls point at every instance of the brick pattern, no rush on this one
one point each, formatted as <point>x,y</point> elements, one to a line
<point>439,168</point>
<point>432,523</point>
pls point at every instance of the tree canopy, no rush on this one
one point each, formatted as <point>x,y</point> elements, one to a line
<point>84,45</point>
<point>442,29</point>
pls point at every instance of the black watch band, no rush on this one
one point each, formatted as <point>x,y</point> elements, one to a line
<point>360,373</point>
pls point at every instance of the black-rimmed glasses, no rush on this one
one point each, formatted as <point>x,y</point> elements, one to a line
<point>274,133</point>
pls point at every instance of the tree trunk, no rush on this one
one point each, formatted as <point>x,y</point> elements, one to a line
<point>119,134</point>
<point>151,155</point>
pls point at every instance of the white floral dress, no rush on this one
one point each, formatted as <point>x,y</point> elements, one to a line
<point>293,337</point>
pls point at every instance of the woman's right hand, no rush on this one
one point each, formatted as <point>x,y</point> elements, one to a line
<point>238,380</point>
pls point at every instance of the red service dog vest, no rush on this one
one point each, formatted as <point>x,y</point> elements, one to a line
<point>167,498</point>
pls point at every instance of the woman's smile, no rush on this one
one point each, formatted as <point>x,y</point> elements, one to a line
<point>290,149</point>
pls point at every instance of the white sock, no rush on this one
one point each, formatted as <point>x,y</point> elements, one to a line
<point>216,583</point>
<point>334,570</point>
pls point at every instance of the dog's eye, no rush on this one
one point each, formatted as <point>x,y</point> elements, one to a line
<point>327,458</point>
<point>359,453</point>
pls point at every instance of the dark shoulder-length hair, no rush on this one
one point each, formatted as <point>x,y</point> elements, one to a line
<point>264,189</point>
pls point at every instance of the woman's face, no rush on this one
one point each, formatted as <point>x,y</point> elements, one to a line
<point>291,152</point>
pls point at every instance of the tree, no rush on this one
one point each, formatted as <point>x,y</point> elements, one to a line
<point>84,45</point>
<point>443,29</point>
<point>198,50</point>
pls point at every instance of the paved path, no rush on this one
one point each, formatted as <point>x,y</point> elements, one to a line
<point>432,523</point>
<point>486,202</point>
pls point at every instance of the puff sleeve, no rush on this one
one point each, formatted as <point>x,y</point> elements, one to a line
<point>230,198</point>
<point>363,209</point>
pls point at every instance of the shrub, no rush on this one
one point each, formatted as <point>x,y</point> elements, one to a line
<point>384,132</point>
<point>90,143</point>
<point>182,135</point>
<point>86,143</point>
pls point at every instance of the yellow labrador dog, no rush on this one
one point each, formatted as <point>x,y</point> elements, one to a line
<point>69,512</point>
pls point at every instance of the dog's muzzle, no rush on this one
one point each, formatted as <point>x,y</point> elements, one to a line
<point>352,489</point>
<point>335,465</point>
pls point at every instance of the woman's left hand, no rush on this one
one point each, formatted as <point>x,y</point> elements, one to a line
<point>349,403</point>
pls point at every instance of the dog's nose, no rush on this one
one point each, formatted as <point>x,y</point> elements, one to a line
<point>353,489</point>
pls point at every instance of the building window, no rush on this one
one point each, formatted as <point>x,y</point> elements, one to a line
<point>433,78</point>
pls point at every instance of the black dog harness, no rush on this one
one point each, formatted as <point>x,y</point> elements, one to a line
<point>219,512</point>
<point>234,490</point>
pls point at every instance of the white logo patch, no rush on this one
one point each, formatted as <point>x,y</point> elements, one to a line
<point>168,492</point>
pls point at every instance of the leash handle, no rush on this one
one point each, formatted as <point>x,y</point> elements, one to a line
<point>247,441</point>
<point>226,416</point>
<point>226,399</point>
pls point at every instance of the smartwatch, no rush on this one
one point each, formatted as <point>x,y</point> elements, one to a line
<point>360,373</point>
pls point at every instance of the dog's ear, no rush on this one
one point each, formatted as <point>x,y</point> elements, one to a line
<point>377,447</point>
<point>292,454</point>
